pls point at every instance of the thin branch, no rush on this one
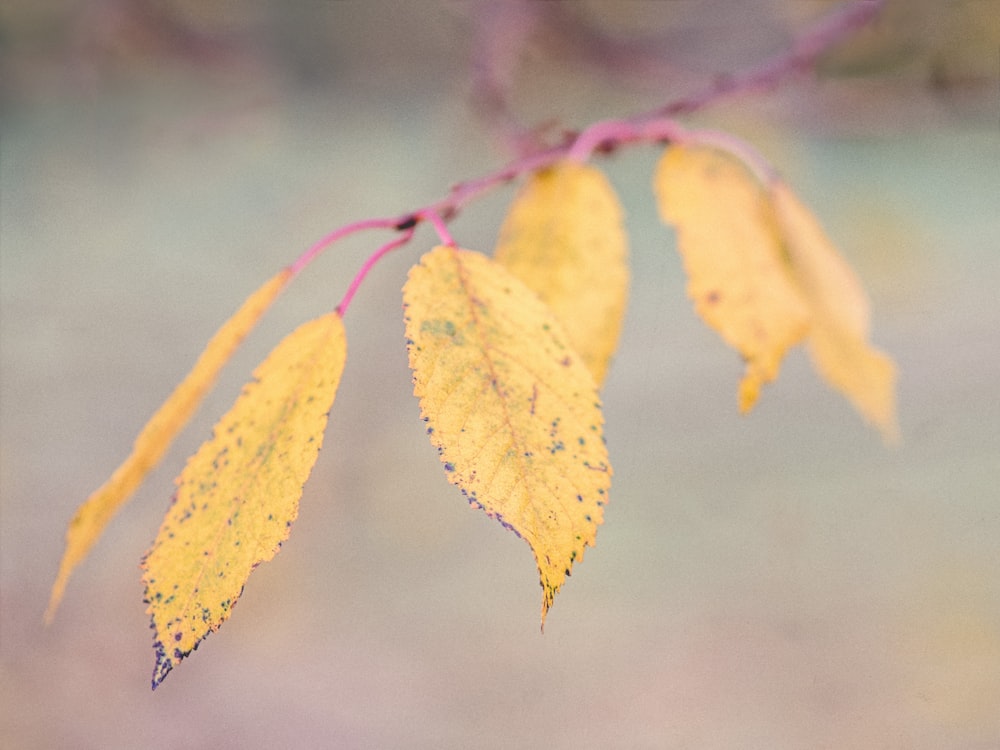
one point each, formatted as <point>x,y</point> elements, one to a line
<point>368,264</point>
<point>338,234</point>
<point>439,226</point>
<point>655,126</point>
<point>802,57</point>
<point>501,31</point>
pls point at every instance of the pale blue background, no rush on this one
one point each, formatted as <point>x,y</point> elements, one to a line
<point>777,581</point>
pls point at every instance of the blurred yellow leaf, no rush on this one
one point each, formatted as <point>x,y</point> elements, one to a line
<point>238,495</point>
<point>510,405</point>
<point>763,273</point>
<point>838,334</point>
<point>154,439</point>
<point>727,236</point>
<point>563,237</point>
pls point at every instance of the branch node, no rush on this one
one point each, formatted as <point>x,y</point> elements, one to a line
<point>408,223</point>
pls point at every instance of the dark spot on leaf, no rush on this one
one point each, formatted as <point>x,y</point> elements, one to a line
<point>438,327</point>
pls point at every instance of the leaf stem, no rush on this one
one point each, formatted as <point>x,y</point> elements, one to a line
<point>338,234</point>
<point>746,153</point>
<point>439,226</point>
<point>368,264</point>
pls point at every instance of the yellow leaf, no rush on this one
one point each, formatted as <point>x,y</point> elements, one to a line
<point>510,405</point>
<point>238,495</point>
<point>727,236</point>
<point>154,439</point>
<point>838,335</point>
<point>563,237</point>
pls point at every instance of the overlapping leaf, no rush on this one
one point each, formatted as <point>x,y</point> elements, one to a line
<point>727,236</point>
<point>838,334</point>
<point>510,405</point>
<point>239,494</point>
<point>563,237</point>
<point>154,439</point>
<point>763,273</point>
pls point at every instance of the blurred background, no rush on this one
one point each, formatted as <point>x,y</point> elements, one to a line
<point>777,581</point>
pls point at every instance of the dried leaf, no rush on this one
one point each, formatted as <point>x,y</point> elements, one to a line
<point>728,237</point>
<point>510,405</point>
<point>838,334</point>
<point>154,439</point>
<point>238,495</point>
<point>563,237</point>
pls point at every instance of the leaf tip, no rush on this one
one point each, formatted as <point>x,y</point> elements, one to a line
<point>891,435</point>
<point>885,418</point>
<point>66,566</point>
<point>50,610</point>
<point>548,597</point>
<point>749,392</point>
<point>164,664</point>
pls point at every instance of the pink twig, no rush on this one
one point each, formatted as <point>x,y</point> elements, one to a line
<point>464,192</point>
<point>338,234</point>
<point>608,135</point>
<point>368,264</point>
<point>801,57</point>
<point>439,226</point>
<point>500,33</point>
<point>437,213</point>
<point>650,127</point>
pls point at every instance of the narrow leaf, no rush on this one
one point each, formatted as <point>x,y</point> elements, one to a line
<point>728,238</point>
<point>510,405</point>
<point>238,495</point>
<point>154,439</point>
<point>838,335</point>
<point>563,237</point>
